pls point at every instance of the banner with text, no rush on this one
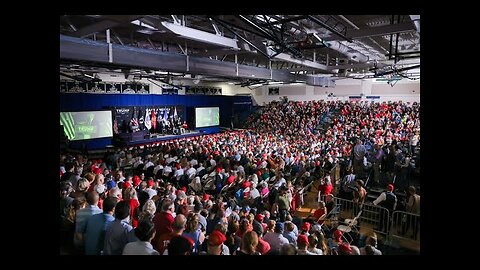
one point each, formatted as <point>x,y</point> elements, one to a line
<point>145,118</point>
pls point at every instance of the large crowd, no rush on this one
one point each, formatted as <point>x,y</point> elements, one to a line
<point>238,192</point>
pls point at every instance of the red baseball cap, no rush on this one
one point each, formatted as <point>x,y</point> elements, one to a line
<point>126,185</point>
<point>302,239</point>
<point>136,180</point>
<point>216,238</point>
<point>390,187</point>
<point>150,182</point>
<point>306,226</point>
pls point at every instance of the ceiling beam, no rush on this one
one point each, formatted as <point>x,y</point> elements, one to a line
<point>109,22</point>
<point>76,49</point>
<point>291,19</point>
<point>329,28</point>
<point>214,52</point>
<point>378,31</point>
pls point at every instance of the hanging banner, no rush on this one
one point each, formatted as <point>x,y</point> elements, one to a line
<point>146,118</point>
<point>355,98</point>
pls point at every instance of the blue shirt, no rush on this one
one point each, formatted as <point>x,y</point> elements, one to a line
<point>291,237</point>
<point>96,226</point>
<point>118,234</point>
<point>83,215</point>
<point>195,236</point>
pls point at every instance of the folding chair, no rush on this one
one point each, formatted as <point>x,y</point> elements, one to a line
<point>350,224</point>
<point>331,220</point>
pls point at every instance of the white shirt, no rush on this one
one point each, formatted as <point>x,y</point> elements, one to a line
<point>382,198</point>
<point>194,162</point>
<point>157,168</point>
<point>280,182</point>
<point>254,193</point>
<point>167,170</point>
<point>149,164</point>
<point>151,192</point>
<point>139,248</point>
<point>179,173</point>
<point>135,165</point>
<point>315,251</point>
<point>375,251</point>
<point>191,172</point>
<point>213,163</point>
<point>275,240</point>
<point>305,252</point>
<point>200,168</point>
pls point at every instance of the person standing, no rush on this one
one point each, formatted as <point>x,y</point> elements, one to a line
<point>386,200</point>
<point>377,161</point>
<point>96,227</point>
<point>359,152</point>
<point>348,185</point>
<point>120,232</point>
<point>81,219</point>
<point>145,232</point>
<point>413,207</point>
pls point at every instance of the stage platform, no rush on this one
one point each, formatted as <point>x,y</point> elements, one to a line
<point>153,138</point>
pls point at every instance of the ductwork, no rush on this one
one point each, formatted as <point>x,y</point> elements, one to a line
<point>349,52</point>
<point>416,21</point>
<point>93,51</point>
<point>320,81</point>
<point>288,58</point>
<point>202,36</point>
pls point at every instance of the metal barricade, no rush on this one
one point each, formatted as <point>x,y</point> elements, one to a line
<point>376,216</point>
<point>372,216</point>
<point>405,225</point>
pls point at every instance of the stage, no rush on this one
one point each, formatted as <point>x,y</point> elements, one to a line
<point>130,139</point>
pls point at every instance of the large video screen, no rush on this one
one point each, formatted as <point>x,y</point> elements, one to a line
<point>87,125</point>
<point>206,117</point>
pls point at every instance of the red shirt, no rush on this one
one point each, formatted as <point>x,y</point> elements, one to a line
<point>163,223</point>
<point>263,246</point>
<point>318,213</point>
<point>134,203</point>
<point>326,189</point>
<point>161,243</point>
<point>100,203</point>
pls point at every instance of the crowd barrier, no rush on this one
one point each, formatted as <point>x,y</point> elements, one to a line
<point>405,225</point>
<point>399,224</point>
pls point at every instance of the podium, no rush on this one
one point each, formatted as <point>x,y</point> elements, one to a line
<point>123,139</point>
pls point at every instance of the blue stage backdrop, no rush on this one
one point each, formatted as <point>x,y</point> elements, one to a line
<point>91,102</point>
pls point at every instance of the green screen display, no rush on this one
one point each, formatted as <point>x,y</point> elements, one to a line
<point>206,117</point>
<point>87,125</point>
